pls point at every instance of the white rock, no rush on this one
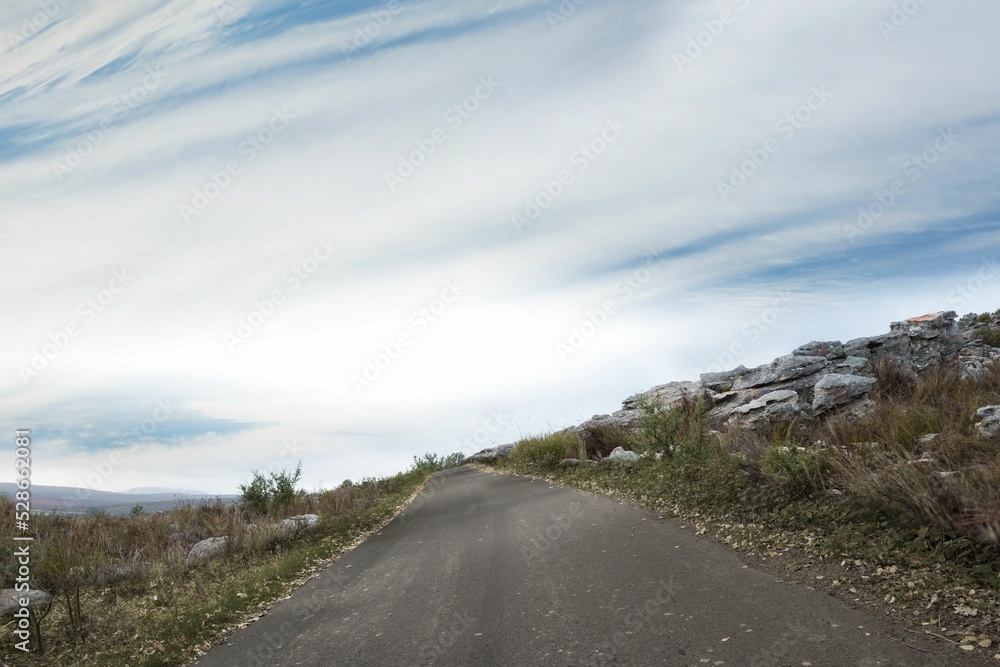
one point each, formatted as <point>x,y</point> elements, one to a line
<point>206,550</point>
<point>988,421</point>
<point>300,522</point>
<point>622,454</point>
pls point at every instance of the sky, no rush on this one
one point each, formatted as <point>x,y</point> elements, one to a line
<point>239,234</point>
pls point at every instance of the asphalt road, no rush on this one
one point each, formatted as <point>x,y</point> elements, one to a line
<point>487,570</point>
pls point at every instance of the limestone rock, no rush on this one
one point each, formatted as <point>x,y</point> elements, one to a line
<point>300,522</point>
<point>776,405</point>
<point>10,599</point>
<point>491,453</point>
<point>934,338</point>
<point>834,390</point>
<point>622,454</point>
<point>722,382</point>
<point>988,421</point>
<point>895,344</point>
<point>852,366</point>
<point>830,349</point>
<point>782,369</point>
<point>206,550</point>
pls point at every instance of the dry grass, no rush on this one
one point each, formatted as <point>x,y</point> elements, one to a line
<point>599,440</point>
<point>123,594</point>
<point>949,480</point>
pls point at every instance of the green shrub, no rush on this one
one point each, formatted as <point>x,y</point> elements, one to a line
<point>989,335</point>
<point>264,494</point>
<point>431,462</point>
<point>547,450</point>
<point>681,430</point>
<point>797,471</point>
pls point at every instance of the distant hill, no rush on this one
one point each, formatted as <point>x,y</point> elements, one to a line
<point>70,500</point>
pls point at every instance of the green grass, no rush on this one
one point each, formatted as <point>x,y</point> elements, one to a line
<point>547,451</point>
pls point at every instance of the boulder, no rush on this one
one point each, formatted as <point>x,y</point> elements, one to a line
<point>622,454</point>
<point>10,599</point>
<point>895,344</point>
<point>491,453</point>
<point>206,550</point>
<point>665,395</point>
<point>830,349</point>
<point>569,463</point>
<point>988,421</point>
<point>934,339</point>
<point>852,366</point>
<point>722,382</point>
<point>300,522</point>
<point>103,575</point>
<point>782,369</point>
<point>834,390</point>
<point>781,405</point>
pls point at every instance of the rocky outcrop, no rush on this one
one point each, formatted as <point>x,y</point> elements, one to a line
<point>780,405</point>
<point>819,377</point>
<point>835,390</point>
<point>934,339</point>
<point>491,453</point>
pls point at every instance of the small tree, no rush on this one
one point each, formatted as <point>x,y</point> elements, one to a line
<point>137,510</point>
<point>262,492</point>
<point>256,495</point>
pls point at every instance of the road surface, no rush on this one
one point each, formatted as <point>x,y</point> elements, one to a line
<point>490,570</point>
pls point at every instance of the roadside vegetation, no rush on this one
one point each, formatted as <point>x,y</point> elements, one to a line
<point>900,507</point>
<point>123,594</point>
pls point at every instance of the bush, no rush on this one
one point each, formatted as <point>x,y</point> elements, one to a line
<point>431,462</point>
<point>548,450</point>
<point>263,494</point>
<point>797,471</point>
<point>989,335</point>
<point>681,430</point>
